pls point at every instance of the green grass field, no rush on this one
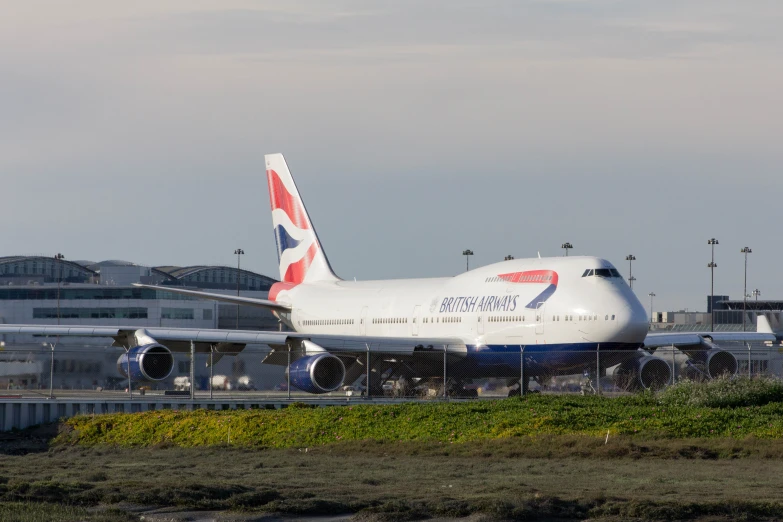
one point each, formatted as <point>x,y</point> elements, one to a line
<point>435,423</point>
<point>696,452</point>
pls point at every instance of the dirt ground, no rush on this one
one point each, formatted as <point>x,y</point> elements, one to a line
<point>550,478</point>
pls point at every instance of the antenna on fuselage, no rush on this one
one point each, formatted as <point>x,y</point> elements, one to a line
<point>539,255</point>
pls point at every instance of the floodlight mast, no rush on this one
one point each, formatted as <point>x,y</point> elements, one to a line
<point>712,266</point>
<point>238,252</point>
<point>467,253</point>
<point>630,258</point>
<point>652,296</point>
<point>746,251</point>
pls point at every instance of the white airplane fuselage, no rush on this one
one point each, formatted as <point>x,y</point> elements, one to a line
<point>542,301</point>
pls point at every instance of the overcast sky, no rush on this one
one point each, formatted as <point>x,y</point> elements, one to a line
<point>414,129</point>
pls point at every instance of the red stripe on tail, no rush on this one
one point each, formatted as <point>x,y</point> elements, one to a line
<point>295,273</point>
<point>279,197</point>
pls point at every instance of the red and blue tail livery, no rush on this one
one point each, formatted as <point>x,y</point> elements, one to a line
<point>299,252</point>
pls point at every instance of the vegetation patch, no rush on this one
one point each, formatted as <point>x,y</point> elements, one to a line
<point>720,409</point>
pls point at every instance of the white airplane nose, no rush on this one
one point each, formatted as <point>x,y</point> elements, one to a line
<point>632,324</point>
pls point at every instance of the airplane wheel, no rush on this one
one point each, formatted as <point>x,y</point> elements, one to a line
<point>515,393</point>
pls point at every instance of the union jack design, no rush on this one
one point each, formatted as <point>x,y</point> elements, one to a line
<point>299,252</point>
<point>548,277</point>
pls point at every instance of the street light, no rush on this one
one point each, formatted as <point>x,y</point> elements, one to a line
<point>630,258</point>
<point>467,253</point>
<point>58,259</point>
<point>508,258</point>
<point>756,294</point>
<point>652,296</point>
<point>712,266</point>
<point>746,251</point>
<point>238,252</point>
<point>566,246</point>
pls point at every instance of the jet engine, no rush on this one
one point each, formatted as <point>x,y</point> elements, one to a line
<point>150,362</point>
<point>320,373</point>
<point>647,372</point>
<point>711,363</point>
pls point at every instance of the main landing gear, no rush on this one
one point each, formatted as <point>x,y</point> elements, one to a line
<point>517,392</point>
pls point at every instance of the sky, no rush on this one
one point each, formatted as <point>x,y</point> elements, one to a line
<point>414,130</point>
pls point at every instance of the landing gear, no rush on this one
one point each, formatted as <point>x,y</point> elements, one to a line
<point>517,392</point>
<point>457,390</point>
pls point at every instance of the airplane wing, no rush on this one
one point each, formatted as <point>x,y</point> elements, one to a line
<point>657,340</point>
<point>233,299</point>
<point>233,341</point>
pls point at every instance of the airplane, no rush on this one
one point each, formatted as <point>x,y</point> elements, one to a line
<point>545,315</point>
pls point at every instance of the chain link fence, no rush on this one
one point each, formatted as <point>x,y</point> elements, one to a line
<point>426,374</point>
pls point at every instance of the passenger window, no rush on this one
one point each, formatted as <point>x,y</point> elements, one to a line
<point>612,317</point>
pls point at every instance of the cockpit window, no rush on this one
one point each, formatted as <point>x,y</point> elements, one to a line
<point>602,272</point>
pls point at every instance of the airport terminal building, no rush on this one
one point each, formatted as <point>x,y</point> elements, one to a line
<point>42,290</point>
<point>728,316</point>
<point>45,290</point>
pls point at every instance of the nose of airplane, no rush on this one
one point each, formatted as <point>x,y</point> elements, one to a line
<point>632,325</point>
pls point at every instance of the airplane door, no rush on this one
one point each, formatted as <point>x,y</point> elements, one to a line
<point>415,321</point>
<point>363,322</point>
<point>540,310</point>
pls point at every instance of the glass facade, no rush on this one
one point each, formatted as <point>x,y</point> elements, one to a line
<point>50,293</point>
<point>176,313</point>
<point>91,313</point>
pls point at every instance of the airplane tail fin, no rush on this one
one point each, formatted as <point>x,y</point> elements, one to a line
<point>762,324</point>
<point>299,252</point>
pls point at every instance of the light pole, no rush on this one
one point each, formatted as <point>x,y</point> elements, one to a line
<point>467,253</point>
<point>652,296</point>
<point>630,258</point>
<point>566,246</point>
<point>756,294</point>
<point>508,258</point>
<point>238,252</point>
<point>59,258</point>
<point>712,242</point>
<point>746,251</point>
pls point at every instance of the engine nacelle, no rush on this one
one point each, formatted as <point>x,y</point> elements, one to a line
<point>711,363</point>
<point>647,372</point>
<point>151,362</point>
<point>320,373</point>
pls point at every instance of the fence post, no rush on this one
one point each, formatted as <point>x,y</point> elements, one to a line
<point>522,371</point>
<point>211,367</point>
<point>367,383</point>
<point>674,367</point>
<point>750,363</point>
<point>130,384</point>
<point>598,369</point>
<point>51,375</point>
<point>445,386</point>
<point>192,369</point>
<point>288,374</point>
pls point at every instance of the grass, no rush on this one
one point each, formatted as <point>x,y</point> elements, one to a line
<point>47,512</point>
<point>435,423</point>
<point>510,479</point>
<point>699,451</point>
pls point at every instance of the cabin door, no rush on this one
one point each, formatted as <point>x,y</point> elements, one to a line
<point>415,320</point>
<point>363,322</point>
<point>540,310</point>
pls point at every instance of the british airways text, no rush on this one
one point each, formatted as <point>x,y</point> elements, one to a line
<point>489,303</point>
